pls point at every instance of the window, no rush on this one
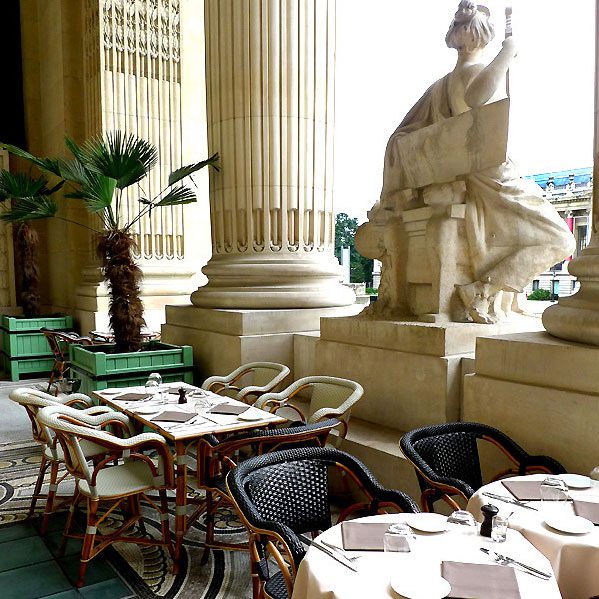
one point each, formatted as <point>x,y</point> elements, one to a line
<point>535,284</point>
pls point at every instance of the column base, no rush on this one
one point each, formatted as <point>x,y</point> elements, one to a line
<point>273,281</point>
<point>223,339</point>
<point>542,392</point>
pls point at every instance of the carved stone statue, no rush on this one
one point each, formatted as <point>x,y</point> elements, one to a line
<point>458,231</point>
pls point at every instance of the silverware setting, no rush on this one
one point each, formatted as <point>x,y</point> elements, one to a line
<point>505,560</point>
<point>509,500</point>
<point>351,558</point>
<point>338,557</point>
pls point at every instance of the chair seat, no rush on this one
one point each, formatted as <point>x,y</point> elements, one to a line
<point>89,450</point>
<point>128,478</point>
<point>275,587</point>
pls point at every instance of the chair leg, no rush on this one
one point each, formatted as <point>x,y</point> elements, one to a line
<point>166,531</point>
<point>69,523</point>
<point>51,495</point>
<point>88,540</point>
<point>209,522</point>
<point>38,485</point>
<point>136,509</point>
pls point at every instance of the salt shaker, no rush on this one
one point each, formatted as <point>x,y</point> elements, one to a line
<point>182,397</point>
<point>488,511</point>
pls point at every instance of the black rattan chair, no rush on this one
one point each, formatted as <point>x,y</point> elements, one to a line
<point>215,457</point>
<point>446,460</point>
<point>283,494</point>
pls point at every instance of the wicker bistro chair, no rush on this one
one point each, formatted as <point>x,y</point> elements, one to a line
<point>331,397</point>
<point>52,455</point>
<point>123,476</point>
<point>265,376</point>
<point>283,494</point>
<point>214,459</point>
<point>446,460</point>
<point>59,342</point>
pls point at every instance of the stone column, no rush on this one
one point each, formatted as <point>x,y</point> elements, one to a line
<point>270,98</point>
<point>576,318</point>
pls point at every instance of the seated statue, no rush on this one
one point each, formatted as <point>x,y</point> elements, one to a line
<point>511,232</point>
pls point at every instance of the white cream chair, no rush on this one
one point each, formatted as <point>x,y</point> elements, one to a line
<point>330,397</point>
<point>261,377</point>
<point>124,476</point>
<point>33,401</point>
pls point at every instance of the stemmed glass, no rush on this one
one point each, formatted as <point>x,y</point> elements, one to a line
<point>465,521</point>
<point>153,383</point>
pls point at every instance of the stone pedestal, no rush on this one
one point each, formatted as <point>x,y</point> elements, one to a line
<point>224,339</point>
<point>542,392</point>
<point>411,371</point>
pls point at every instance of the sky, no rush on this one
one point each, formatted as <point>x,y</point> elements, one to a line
<point>390,51</point>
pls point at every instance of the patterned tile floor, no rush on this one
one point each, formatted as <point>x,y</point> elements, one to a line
<point>30,569</point>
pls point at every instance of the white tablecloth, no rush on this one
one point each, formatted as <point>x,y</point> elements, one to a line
<point>321,577</point>
<point>574,558</point>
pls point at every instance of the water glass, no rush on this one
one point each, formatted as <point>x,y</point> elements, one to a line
<point>465,521</point>
<point>554,489</point>
<point>155,376</point>
<point>398,538</point>
<point>499,530</point>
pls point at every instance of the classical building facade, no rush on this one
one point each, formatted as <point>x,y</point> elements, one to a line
<point>570,191</point>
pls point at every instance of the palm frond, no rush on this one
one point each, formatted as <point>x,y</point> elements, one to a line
<point>29,208</point>
<point>49,165</point>
<point>97,192</point>
<point>21,185</point>
<point>176,197</point>
<point>125,158</point>
<point>185,171</point>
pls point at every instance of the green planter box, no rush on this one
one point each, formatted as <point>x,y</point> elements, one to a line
<point>99,369</point>
<point>24,348</point>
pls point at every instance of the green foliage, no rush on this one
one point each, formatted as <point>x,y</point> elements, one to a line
<point>371,291</point>
<point>539,294</point>
<point>345,232</point>
<point>25,198</point>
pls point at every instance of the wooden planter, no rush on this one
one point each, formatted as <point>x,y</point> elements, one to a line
<point>99,369</point>
<point>25,350</point>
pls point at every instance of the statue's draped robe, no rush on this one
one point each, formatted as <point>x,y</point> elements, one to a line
<point>513,233</point>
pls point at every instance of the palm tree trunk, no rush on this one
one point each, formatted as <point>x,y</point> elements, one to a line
<point>123,276</point>
<point>29,272</point>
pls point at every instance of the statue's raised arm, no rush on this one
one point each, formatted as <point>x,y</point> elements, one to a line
<point>441,261</point>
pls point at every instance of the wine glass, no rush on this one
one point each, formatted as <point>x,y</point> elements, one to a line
<point>466,524</point>
<point>554,489</point>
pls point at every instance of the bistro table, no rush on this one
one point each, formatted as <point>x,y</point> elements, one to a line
<point>182,435</point>
<point>574,558</point>
<point>321,577</point>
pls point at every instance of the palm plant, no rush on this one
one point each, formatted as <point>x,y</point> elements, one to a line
<point>25,199</point>
<point>100,173</point>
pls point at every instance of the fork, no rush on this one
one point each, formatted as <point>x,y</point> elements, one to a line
<point>351,558</point>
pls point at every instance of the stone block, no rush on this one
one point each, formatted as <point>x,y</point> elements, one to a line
<point>543,420</point>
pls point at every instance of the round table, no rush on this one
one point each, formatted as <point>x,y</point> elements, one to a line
<point>321,577</point>
<point>574,558</point>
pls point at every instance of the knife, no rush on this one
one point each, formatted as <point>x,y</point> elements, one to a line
<point>509,500</point>
<point>337,557</point>
<point>517,563</point>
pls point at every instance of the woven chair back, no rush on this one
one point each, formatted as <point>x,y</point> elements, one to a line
<point>453,455</point>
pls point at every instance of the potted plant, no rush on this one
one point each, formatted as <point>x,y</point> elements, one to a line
<point>24,348</point>
<point>100,172</point>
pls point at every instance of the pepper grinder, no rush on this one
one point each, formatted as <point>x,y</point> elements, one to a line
<point>488,511</point>
<point>182,397</point>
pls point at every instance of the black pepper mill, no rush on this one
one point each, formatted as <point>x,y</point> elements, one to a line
<point>488,512</point>
<point>182,398</point>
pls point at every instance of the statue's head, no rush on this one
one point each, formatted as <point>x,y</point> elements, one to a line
<point>471,27</point>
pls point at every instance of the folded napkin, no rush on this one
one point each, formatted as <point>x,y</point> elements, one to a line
<point>227,408</point>
<point>483,581</point>
<point>524,490</point>
<point>587,509</point>
<point>363,536</point>
<point>173,417</point>
<point>132,396</point>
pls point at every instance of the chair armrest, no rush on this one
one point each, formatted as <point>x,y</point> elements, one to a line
<point>542,463</point>
<point>76,399</point>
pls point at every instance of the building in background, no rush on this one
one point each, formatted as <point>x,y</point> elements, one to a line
<point>570,192</point>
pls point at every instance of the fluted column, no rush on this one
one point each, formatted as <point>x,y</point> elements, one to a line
<point>270,103</point>
<point>576,318</point>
